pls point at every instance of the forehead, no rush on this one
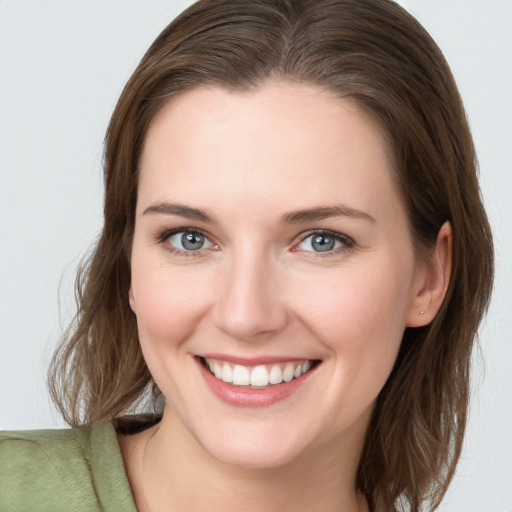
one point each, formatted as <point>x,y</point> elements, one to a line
<point>281,142</point>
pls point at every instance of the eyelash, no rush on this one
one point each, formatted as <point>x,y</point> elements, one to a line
<point>164,237</point>
<point>346,241</point>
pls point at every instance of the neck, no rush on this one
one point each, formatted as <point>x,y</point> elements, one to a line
<point>166,468</point>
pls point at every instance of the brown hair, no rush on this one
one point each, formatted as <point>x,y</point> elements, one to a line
<point>376,53</point>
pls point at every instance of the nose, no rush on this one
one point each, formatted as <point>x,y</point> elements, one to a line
<point>250,303</point>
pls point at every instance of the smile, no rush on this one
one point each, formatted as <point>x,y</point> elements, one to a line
<point>260,376</point>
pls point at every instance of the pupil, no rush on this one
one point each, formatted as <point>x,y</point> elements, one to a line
<point>323,243</point>
<point>192,241</point>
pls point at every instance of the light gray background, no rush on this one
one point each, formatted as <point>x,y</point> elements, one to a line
<point>63,65</point>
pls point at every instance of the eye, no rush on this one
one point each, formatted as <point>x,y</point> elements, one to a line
<point>188,241</point>
<point>324,242</point>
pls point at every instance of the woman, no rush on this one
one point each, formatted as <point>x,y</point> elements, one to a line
<point>293,266</point>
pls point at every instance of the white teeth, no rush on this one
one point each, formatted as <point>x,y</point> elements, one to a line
<point>288,372</point>
<point>217,370</point>
<point>276,375</point>
<point>241,376</point>
<point>227,373</point>
<point>259,376</point>
<point>305,367</point>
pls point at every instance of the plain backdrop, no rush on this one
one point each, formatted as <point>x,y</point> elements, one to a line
<point>62,67</point>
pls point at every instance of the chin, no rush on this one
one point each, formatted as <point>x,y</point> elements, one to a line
<point>253,444</point>
<point>242,453</point>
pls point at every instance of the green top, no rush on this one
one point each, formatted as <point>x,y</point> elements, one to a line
<point>63,470</point>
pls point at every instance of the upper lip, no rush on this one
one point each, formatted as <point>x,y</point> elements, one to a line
<point>253,361</point>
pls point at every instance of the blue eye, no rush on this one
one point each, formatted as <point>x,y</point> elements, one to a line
<point>324,242</point>
<point>189,241</point>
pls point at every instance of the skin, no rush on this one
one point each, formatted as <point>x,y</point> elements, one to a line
<point>258,289</point>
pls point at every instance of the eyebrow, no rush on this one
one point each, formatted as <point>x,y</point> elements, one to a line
<point>323,212</point>
<point>295,217</point>
<point>180,210</point>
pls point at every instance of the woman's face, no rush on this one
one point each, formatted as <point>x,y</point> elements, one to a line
<point>270,244</point>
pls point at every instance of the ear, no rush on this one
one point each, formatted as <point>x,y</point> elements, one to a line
<point>131,299</point>
<point>431,283</point>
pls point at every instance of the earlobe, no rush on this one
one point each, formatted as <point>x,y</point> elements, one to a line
<point>433,280</point>
<point>131,299</point>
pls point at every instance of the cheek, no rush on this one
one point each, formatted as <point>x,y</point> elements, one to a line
<point>359,316</point>
<point>354,301</point>
<point>169,309</point>
<point>169,305</point>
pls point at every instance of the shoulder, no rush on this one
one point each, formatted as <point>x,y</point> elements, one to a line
<point>73,469</point>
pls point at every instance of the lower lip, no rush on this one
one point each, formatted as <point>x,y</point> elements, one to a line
<point>246,397</point>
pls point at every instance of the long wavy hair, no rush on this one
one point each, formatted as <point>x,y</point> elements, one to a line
<point>374,52</point>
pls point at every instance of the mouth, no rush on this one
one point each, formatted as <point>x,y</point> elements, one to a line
<point>260,376</point>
